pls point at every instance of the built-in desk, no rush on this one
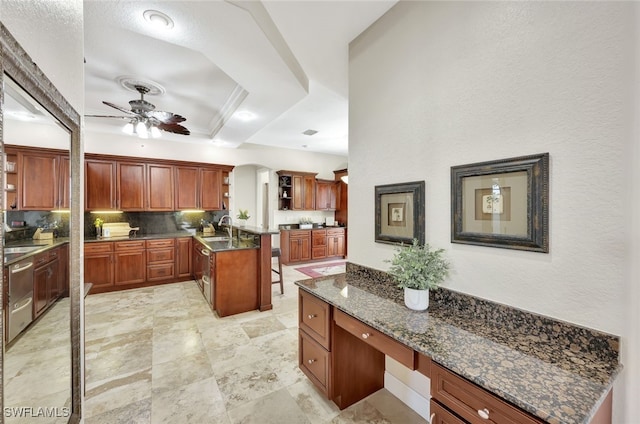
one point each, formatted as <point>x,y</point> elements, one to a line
<point>504,366</point>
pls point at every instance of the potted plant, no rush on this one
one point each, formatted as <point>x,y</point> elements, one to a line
<point>242,216</point>
<point>418,269</point>
<point>98,224</point>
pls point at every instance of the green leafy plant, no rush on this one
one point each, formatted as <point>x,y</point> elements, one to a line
<point>243,214</point>
<point>98,222</point>
<point>419,267</point>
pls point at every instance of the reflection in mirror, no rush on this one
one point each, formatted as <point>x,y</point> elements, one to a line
<point>37,360</point>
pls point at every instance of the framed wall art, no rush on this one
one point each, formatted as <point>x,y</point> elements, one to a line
<point>400,213</point>
<point>502,203</point>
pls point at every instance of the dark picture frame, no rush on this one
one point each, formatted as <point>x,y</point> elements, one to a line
<point>502,203</point>
<point>400,213</point>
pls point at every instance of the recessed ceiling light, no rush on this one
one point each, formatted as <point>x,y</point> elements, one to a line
<point>310,132</point>
<point>245,115</point>
<point>158,19</point>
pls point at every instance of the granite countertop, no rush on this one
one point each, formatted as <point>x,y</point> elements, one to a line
<point>43,245</point>
<point>290,227</point>
<point>555,380</point>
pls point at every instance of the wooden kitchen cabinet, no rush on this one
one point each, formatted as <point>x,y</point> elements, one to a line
<point>38,179</point>
<point>183,257</point>
<point>100,184</point>
<point>161,260</point>
<point>300,188</point>
<point>160,187</point>
<point>198,188</point>
<point>45,280</point>
<point>318,244</point>
<point>326,195</point>
<point>336,242</point>
<point>130,262</point>
<point>131,184</point>
<point>470,402</point>
<point>99,266</point>
<point>295,246</point>
<point>234,281</point>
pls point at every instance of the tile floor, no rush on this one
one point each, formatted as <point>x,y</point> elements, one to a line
<point>159,355</point>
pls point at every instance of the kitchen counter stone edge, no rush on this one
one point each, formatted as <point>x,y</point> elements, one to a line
<point>558,372</point>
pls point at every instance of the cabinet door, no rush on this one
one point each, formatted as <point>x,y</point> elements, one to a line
<point>210,189</point>
<point>160,187</point>
<point>131,184</point>
<point>52,281</point>
<point>64,183</point>
<point>98,269</point>
<point>326,192</point>
<point>130,267</point>
<point>309,199</point>
<point>39,187</point>
<point>100,177</point>
<point>63,272</point>
<point>298,192</point>
<point>187,187</point>
<point>318,244</point>
<point>40,293</point>
<point>183,257</point>
<point>335,245</point>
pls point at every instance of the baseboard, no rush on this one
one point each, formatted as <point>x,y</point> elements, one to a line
<point>407,395</point>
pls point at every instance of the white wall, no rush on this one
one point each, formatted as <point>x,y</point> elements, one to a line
<point>437,84</point>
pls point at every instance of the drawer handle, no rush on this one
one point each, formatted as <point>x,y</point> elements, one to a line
<point>432,417</point>
<point>311,361</point>
<point>484,413</point>
<point>311,316</point>
<point>365,335</point>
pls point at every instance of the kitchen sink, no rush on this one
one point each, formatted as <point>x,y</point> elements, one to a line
<point>216,238</point>
<point>20,249</point>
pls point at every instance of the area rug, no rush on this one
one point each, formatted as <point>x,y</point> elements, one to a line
<point>321,270</point>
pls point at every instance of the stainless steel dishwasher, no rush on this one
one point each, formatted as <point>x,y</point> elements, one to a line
<point>20,297</point>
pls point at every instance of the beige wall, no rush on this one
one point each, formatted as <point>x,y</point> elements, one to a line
<point>437,84</point>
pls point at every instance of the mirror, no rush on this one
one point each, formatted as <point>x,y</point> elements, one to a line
<point>40,363</point>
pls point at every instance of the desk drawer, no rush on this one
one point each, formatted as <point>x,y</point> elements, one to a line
<point>471,402</point>
<point>376,339</point>
<point>314,361</point>
<point>314,318</point>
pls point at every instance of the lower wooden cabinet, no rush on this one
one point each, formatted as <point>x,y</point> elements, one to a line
<point>183,257</point>
<point>161,259</point>
<point>98,264</point>
<point>441,415</point>
<point>130,262</point>
<point>295,246</point>
<point>312,245</point>
<point>235,281</point>
<point>45,281</point>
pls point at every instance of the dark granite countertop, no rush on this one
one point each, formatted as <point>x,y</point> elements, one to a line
<point>42,246</point>
<point>561,378</point>
<point>290,227</point>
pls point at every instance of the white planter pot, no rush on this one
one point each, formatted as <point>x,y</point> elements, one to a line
<point>418,300</point>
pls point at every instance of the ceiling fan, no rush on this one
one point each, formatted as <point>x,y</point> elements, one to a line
<point>144,120</point>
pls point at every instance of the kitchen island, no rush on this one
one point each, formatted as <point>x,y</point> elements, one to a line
<point>531,368</point>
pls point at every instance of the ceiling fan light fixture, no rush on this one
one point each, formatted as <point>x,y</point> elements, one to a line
<point>158,19</point>
<point>155,132</point>
<point>141,130</point>
<point>128,128</point>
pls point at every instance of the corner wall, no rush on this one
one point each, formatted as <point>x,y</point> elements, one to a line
<point>437,84</point>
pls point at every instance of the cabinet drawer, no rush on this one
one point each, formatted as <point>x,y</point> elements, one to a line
<point>41,259</point>
<point>314,361</point>
<point>441,415</point>
<point>98,247</point>
<point>319,252</point>
<point>471,402</point>
<point>160,255</point>
<point>160,272</point>
<point>300,234</point>
<point>335,232</point>
<point>152,244</point>
<point>376,339</point>
<point>129,245</point>
<point>314,318</point>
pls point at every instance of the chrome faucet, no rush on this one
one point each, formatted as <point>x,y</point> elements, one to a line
<point>229,227</point>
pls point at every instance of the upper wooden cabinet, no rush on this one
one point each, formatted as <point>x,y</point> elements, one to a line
<point>326,195</point>
<point>160,192</point>
<point>99,184</point>
<point>136,184</point>
<point>297,190</point>
<point>39,180</point>
<point>199,188</point>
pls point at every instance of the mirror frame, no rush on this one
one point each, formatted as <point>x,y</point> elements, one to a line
<point>16,63</point>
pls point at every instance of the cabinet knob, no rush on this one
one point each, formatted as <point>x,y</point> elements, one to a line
<point>483,413</point>
<point>311,316</point>
<point>432,417</point>
<point>365,335</point>
<point>311,361</point>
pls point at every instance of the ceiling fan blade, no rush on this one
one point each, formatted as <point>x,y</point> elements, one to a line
<point>107,116</point>
<point>120,108</point>
<point>174,128</point>
<point>166,117</point>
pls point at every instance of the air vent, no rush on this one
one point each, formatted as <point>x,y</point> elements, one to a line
<point>310,132</point>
